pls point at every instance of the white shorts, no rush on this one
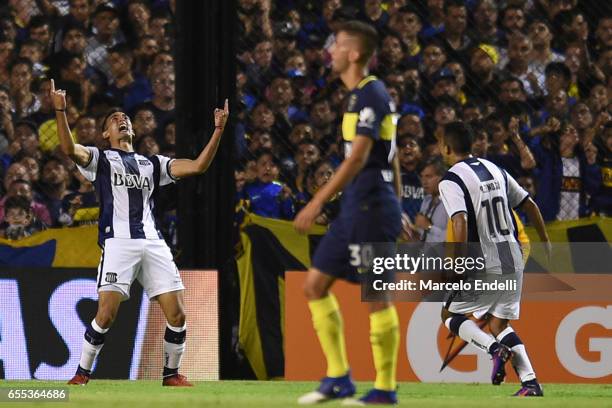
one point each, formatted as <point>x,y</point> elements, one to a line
<point>501,304</point>
<point>148,260</point>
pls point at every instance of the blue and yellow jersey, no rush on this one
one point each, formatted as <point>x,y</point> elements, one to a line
<point>371,113</point>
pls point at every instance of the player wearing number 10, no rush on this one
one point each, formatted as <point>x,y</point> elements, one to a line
<point>132,247</point>
<point>370,212</point>
<point>479,197</point>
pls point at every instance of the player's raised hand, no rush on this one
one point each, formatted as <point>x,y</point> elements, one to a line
<point>58,97</point>
<point>305,218</point>
<point>221,115</point>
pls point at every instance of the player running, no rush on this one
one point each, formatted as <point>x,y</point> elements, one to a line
<point>370,212</point>
<point>132,247</point>
<point>478,196</point>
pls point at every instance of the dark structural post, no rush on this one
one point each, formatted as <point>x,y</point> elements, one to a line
<point>205,76</point>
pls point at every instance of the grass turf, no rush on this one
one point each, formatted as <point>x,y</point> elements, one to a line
<point>115,394</point>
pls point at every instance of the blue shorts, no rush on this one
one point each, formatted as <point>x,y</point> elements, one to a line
<point>376,222</point>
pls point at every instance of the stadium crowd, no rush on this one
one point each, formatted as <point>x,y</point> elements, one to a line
<point>104,54</point>
<point>533,78</point>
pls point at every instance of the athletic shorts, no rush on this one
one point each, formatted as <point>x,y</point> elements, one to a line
<point>148,260</point>
<point>378,222</point>
<point>502,304</point>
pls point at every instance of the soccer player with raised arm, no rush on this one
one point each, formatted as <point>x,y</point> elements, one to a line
<point>479,197</point>
<point>370,212</point>
<point>132,246</point>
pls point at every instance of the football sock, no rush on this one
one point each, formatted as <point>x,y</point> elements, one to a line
<point>470,332</point>
<point>92,344</point>
<point>327,322</point>
<point>384,337</point>
<point>520,360</point>
<point>174,347</point>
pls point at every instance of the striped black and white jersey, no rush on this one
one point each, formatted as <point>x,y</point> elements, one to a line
<point>487,194</point>
<point>126,183</point>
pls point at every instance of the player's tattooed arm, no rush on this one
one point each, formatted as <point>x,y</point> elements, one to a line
<point>186,167</point>
<point>79,154</point>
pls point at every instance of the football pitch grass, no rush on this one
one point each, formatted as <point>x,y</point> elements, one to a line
<point>115,394</point>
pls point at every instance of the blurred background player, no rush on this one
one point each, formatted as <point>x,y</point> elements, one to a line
<point>132,246</point>
<point>370,212</point>
<point>478,196</point>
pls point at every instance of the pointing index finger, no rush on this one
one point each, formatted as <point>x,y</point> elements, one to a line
<point>226,107</point>
<point>52,85</point>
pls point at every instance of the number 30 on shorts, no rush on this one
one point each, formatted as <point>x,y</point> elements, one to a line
<point>361,255</point>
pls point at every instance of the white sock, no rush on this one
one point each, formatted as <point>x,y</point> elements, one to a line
<point>90,351</point>
<point>174,347</point>
<point>470,332</point>
<point>520,359</point>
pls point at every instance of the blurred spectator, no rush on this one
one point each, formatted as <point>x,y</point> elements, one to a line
<point>265,196</point>
<point>107,35</point>
<point>6,58</point>
<point>541,37</point>
<point>431,220</point>
<point>74,39</point>
<point>144,53</point>
<point>40,30</point>
<point>25,103</point>
<point>602,199</point>
<point>411,124</point>
<point>482,83</point>
<point>159,26</point>
<point>85,130</point>
<point>567,172</point>
<point>512,89</point>
<point>485,23</point>
<point>317,175</point>
<point>480,144</point>
<point>32,50</point>
<point>512,19</point>
<point>260,72</point>
<point>137,23</point>
<point>144,123</point>
<point>45,112</point>
<point>23,188</point>
<point>19,220</point>
<point>435,18</point>
<point>454,37</point>
<point>169,143</point>
<point>54,184</point>
<point>6,119</point>
<point>162,104</point>
<point>306,154</point>
<point>520,49</point>
<point>507,148</point>
<point>410,155</point>
<point>405,26</point>
<point>147,146</point>
<point>128,89</point>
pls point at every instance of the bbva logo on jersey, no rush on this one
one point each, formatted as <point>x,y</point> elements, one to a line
<point>131,181</point>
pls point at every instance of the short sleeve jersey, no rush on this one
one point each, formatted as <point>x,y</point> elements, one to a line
<point>370,112</point>
<point>487,194</point>
<point>126,183</point>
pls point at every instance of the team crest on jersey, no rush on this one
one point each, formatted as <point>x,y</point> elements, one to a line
<point>111,277</point>
<point>367,116</point>
<point>131,181</point>
<point>351,103</point>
